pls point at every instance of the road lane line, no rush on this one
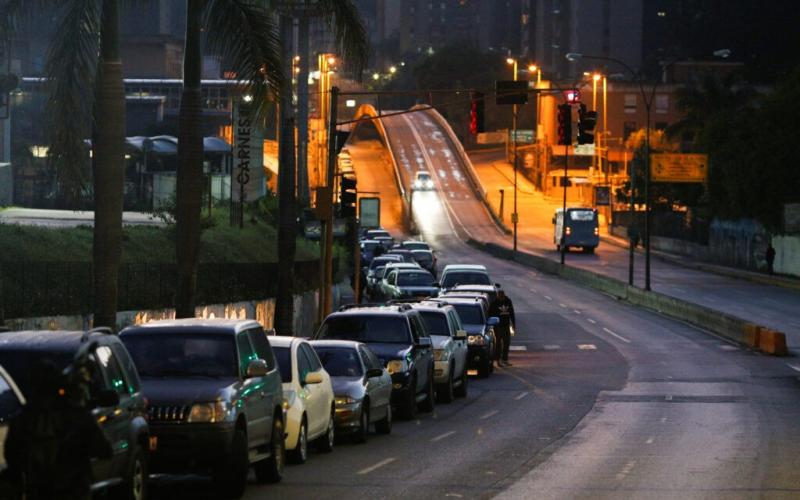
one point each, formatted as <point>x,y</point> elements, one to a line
<point>562,305</point>
<point>548,297</point>
<point>793,367</point>
<point>649,441</point>
<point>616,335</point>
<point>576,311</point>
<point>442,436</point>
<point>376,466</point>
<point>590,320</point>
<point>587,347</point>
<point>520,396</point>
<point>517,348</point>
<point>490,414</point>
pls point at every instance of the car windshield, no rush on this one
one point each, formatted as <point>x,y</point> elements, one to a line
<point>414,279</point>
<point>164,355</point>
<point>374,234</point>
<point>382,261</point>
<point>423,257</point>
<point>366,328</point>
<point>415,245</point>
<point>470,314</point>
<point>581,215</point>
<point>423,176</point>
<point>454,278</point>
<point>436,322</point>
<point>10,405</point>
<point>340,361</point>
<point>369,246</point>
<point>284,357</point>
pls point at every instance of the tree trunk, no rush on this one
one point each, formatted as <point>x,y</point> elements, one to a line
<point>284,302</point>
<point>108,168</point>
<point>190,166</point>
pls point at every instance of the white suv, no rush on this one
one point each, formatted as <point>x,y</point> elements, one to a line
<point>464,274</point>
<point>449,349</point>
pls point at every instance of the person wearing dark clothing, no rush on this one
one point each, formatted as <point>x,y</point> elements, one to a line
<point>502,308</point>
<point>50,444</point>
<point>770,258</point>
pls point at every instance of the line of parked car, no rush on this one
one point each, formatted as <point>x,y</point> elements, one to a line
<point>222,397</point>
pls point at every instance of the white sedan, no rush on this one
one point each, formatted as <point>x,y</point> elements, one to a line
<point>308,397</point>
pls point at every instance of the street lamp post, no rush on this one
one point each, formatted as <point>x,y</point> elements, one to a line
<point>514,215</point>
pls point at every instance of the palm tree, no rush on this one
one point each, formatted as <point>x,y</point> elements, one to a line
<point>86,94</point>
<point>244,34</point>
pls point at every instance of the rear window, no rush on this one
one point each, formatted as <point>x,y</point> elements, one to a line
<point>470,314</point>
<point>415,245</point>
<point>414,279</point>
<point>423,257</point>
<point>372,245</point>
<point>10,405</point>
<point>581,215</point>
<point>436,322</point>
<point>374,234</point>
<point>366,328</point>
<point>340,361</point>
<point>18,362</point>
<point>284,357</point>
<point>163,354</point>
<point>382,261</point>
<point>454,278</point>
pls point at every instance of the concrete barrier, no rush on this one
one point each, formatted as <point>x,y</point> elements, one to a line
<point>730,327</point>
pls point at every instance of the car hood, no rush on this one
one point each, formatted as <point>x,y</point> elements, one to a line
<point>440,341</point>
<point>348,386</point>
<point>473,329</point>
<point>387,352</point>
<point>185,391</point>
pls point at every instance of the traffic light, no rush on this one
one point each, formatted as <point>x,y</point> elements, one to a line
<point>564,124</point>
<point>348,197</point>
<point>476,114</point>
<point>586,123</point>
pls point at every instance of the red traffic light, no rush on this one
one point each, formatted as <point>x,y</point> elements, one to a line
<point>572,96</point>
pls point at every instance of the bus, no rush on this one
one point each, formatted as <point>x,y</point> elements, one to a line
<point>582,229</point>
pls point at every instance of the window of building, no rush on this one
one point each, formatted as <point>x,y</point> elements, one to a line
<point>630,103</point>
<point>662,103</point>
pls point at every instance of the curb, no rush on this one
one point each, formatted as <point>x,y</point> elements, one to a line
<point>730,327</point>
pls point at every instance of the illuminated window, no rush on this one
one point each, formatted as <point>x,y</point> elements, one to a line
<point>662,103</point>
<point>630,103</point>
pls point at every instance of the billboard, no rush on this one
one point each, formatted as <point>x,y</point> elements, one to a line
<point>369,212</point>
<point>602,195</point>
<point>678,167</point>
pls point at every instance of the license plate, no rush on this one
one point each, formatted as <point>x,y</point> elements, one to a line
<point>153,443</point>
<point>472,372</point>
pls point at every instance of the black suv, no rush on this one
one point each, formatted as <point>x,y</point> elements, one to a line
<point>397,335</point>
<point>480,331</point>
<point>216,400</point>
<point>115,396</point>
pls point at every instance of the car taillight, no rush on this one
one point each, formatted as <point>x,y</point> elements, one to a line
<point>597,231</point>
<point>568,230</point>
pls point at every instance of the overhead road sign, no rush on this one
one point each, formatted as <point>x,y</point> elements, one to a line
<point>679,167</point>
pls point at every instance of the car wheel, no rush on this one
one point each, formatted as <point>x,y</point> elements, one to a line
<point>384,426</point>
<point>135,485</point>
<point>461,390</point>
<point>231,476</point>
<point>299,454</point>
<point>326,442</point>
<point>362,433</point>
<point>445,391</point>
<point>428,403</point>
<point>271,469</point>
<point>409,409</point>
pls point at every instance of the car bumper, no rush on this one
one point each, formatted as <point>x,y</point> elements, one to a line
<point>347,417</point>
<point>190,447</point>
<point>400,388</point>
<point>478,355</point>
<point>294,415</point>
<point>441,372</point>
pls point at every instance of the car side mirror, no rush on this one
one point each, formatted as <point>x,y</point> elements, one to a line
<point>553,221</point>
<point>425,342</point>
<point>461,334</point>
<point>106,398</point>
<point>313,378</point>
<point>493,321</point>
<point>498,285</point>
<point>257,368</point>
<point>374,373</point>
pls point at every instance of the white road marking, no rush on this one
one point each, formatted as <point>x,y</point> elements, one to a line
<point>520,396</point>
<point>793,367</point>
<point>551,347</point>
<point>548,297</point>
<point>668,398</point>
<point>562,305</point>
<point>590,320</point>
<point>376,466</point>
<point>663,420</point>
<point>616,335</point>
<point>442,436</point>
<point>517,348</point>
<point>587,347</point>
<point>728,347</point>
<point>649,441</point>
<point>490,414</point>
<point>576,311</point>
<point>626,470</point>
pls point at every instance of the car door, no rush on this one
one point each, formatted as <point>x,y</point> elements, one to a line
<point>423,356</point>
<point>316,411</point>
<point>378,388</point>
<point>460,344</point>
<point>270,384</point>
<point>252,393</point>
<point>388,286</point>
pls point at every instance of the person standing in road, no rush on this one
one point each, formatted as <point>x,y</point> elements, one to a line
<point>770,258</point>
<point>503,308</point>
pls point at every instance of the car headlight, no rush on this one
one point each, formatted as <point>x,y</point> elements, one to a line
<point>429,184</point>
<point>209,413</point>
<point>476,340</point>
<point>441,355</point>
<point>395,366</point>
<point>288,399</point>
<point>344,400</point>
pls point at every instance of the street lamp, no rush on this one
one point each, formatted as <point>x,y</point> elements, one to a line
<point>514,216</point>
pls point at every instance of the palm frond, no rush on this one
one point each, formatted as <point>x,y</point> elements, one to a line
<point>245,35</point>
<point>12,12</point>
<point>349,32</point>
<point>70,69</point>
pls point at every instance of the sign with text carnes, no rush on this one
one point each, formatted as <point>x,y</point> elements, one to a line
<point>675,167</point>
<point>248,180</point>
<point>369,212</point>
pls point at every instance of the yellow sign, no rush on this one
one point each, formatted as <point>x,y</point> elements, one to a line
<point>675,167</point>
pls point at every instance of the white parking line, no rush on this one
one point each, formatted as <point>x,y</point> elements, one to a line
<point>576,311</point>
<point>562,305</point>
<point>728,347</point>
<point>442,436</point>
<point>616,335</point>
<point>520,396</point>
<point>548,297</point>
<point>649,441</point>
<point>490,414</point>
<point>517,348</point>
<point>376,466</point>
<point>590,320</point>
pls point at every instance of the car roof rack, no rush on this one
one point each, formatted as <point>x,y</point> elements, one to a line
<point>345,307</point>
<point>99,330</point>
<point>405,301</point>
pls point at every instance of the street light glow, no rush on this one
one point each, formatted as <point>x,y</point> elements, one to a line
<point>247,98</point>
<point>376,76</point>
<point>511,60</point>
<point>331,60</point>
<point>393,69</point>
<point>532,68</point>
<point>573,56</point>
<point>597,76</point>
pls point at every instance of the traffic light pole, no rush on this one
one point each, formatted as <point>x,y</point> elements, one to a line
<point>564,206</point>
<point>327,288</point>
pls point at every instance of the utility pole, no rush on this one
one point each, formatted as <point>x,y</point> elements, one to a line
<point>302,111</point>
<point>330,180</point>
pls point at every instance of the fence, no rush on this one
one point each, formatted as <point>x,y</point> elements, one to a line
<point>60,288</point>
<point>675,225</point>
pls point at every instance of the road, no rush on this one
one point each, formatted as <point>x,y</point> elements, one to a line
<point>603,401</point>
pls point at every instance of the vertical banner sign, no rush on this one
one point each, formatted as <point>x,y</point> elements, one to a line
<point>369,212</point>
<point>248,182</point>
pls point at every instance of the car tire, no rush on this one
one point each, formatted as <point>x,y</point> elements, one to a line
<point>135,485</point>
<point>461,390</point>
<point>408,411</point>
<point>299,454</point>
<point>429,402</point>
<point>231,476</point>
<point>271,469</point>
<point>445,391</point>
<point>384,425</point>
<point>362,433</point>
<point>326,441</point>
